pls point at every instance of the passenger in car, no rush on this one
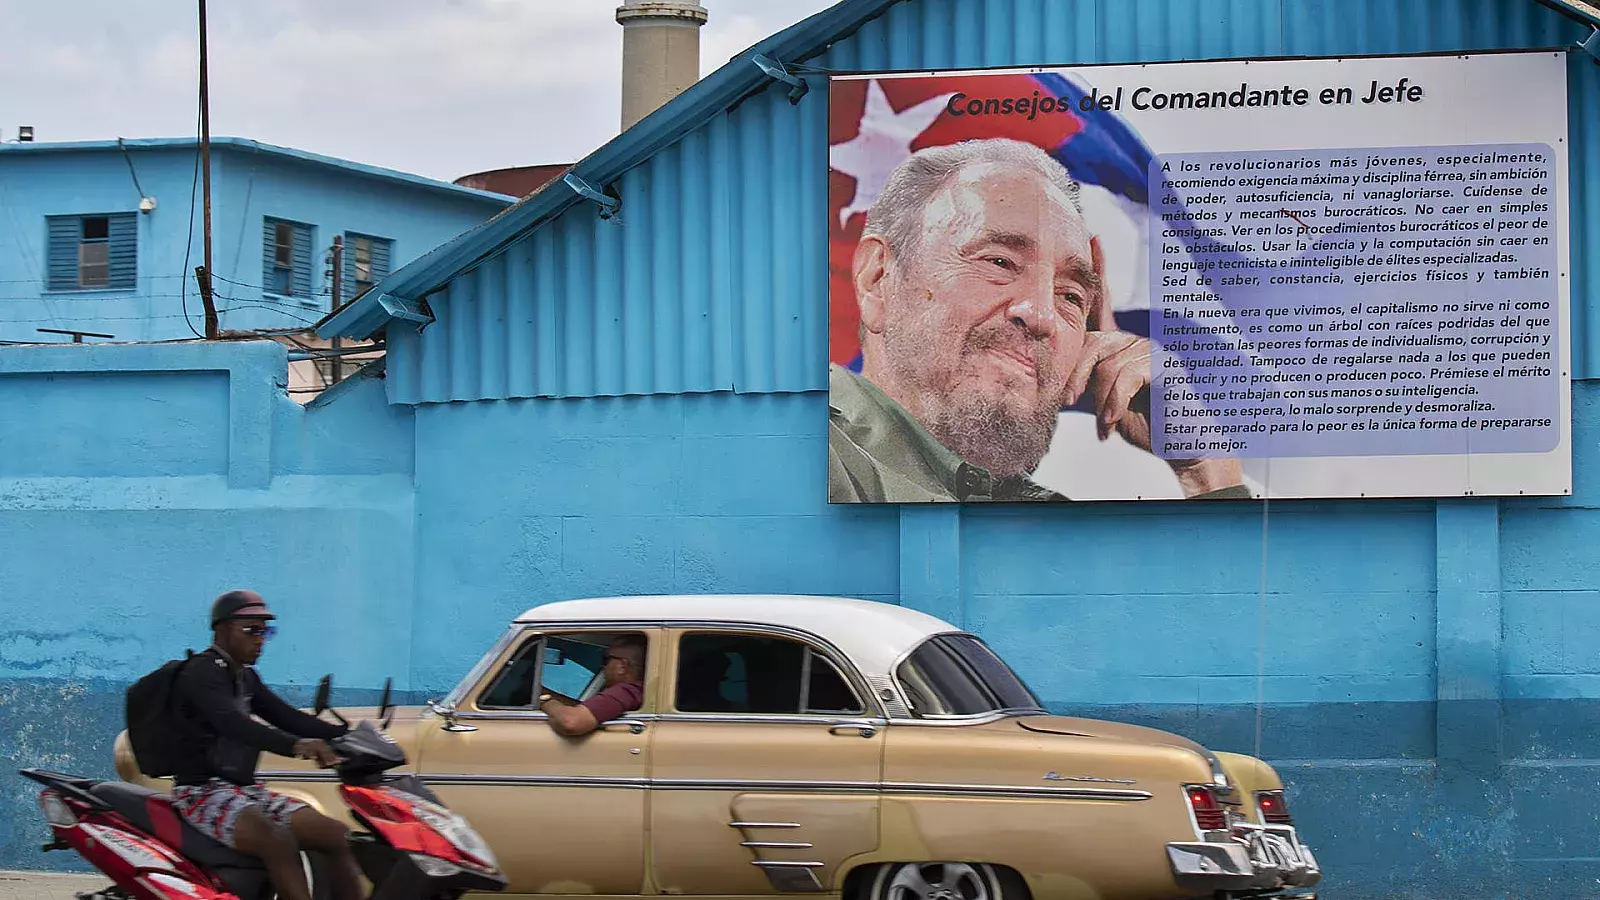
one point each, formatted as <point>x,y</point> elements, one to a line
<point>623,675</point>
<point>700,683</point>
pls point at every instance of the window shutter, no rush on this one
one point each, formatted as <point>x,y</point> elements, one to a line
<point>269,234</point>
<point>124,251</point>
<point>347,269</point>
<point>380,260</point>
<point>302,261</point>
<point>64,234</point>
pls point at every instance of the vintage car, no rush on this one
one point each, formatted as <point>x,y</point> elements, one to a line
<point>794,745</point>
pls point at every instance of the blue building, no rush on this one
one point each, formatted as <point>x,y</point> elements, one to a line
<point>620,384</point>
<point>104,236</point>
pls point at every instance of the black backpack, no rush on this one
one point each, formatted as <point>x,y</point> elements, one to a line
<point>153,727</point>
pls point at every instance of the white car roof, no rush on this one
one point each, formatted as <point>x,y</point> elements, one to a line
<point>875,635</point>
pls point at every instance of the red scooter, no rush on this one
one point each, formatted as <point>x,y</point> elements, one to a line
<point>412,848</point>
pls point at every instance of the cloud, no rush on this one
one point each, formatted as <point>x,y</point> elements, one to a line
<point>436,87</point>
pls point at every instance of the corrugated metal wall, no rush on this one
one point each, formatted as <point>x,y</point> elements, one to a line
<point>712,278</point>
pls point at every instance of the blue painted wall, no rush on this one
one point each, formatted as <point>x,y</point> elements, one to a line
<point>136,483</point>
<point>39,180</point>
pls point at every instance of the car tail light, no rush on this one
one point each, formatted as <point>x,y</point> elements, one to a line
<point>1274,810</point>
<point>1208,813</point>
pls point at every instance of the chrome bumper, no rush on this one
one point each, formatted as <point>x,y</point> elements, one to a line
<point>1251,858</point>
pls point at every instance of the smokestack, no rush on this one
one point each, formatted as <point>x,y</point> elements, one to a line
<point>660,53</point>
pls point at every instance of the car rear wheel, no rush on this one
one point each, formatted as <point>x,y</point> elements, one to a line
<point>944,881</point>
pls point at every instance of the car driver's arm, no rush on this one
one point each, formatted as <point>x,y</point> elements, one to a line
<point>568,720</point>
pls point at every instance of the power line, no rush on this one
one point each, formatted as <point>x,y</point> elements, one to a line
<point>188,235</point>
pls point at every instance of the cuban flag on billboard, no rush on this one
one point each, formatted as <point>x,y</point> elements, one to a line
<point>876,124</point>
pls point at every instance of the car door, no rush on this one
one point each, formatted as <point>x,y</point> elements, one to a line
<point>564,815</point>
<point>766,765</point>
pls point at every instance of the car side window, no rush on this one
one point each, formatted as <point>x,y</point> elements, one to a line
<point>567,664</point>
<point>742,673</point>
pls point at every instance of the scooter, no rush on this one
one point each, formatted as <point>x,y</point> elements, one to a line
<point>412,847</point>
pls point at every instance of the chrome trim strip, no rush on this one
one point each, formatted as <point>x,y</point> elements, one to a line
<point>735,784</point>
<point>980,719</point>
<point>763,824</point>
<point>598,781</point>
<point>785,864</point>
<point>509,714</point>
<point>818,719</point>
<point>823,787</point>
<point>970,790</point>
<point>778,845</point>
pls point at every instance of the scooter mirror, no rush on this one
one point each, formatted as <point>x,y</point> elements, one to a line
<point>385,710</point>
<point>324,691</point>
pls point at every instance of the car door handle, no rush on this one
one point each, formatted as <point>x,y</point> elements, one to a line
<point>865,729</point>
<point>633,725</point>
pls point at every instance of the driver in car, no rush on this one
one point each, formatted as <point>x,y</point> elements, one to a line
<point>622,670</point>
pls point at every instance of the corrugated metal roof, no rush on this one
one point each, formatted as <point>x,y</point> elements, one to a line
<point>712,276</point>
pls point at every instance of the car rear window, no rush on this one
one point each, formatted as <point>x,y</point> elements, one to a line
<point>958,675</point>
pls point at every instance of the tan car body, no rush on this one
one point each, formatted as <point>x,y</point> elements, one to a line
<point>661,802</point>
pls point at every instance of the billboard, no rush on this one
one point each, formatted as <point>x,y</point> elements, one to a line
<point>1266,278</point>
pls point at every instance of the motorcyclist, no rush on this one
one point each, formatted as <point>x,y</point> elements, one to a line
<point>215,787</point>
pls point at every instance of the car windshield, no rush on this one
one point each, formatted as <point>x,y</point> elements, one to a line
<point>958,675</point>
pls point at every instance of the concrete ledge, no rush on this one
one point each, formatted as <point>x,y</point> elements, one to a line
<point>256,370</point>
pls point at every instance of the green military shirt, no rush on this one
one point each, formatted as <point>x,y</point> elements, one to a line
<point>879,453</point>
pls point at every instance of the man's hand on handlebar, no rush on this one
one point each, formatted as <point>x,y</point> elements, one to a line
<point>316,749</point>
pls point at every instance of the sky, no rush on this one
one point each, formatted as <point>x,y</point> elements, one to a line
<point>441,88</point>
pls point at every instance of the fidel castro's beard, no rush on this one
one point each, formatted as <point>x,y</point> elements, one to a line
<point>976,425</point>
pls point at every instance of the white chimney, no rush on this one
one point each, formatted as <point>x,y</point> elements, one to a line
<point>660,53</point>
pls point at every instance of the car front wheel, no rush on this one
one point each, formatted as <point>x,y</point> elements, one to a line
<point>944,881</point>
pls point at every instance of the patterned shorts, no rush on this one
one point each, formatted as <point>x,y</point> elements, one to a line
<point>214,807</point>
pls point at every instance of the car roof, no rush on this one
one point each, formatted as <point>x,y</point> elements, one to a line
<point>873,634</point>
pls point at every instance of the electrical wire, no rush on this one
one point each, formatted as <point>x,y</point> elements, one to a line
<point>129,160</point>
<point>188,246</point>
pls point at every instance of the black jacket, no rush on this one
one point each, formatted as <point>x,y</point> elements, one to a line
<point>222,740</point>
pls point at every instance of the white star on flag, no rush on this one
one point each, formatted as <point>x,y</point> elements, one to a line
<point>883,143</point>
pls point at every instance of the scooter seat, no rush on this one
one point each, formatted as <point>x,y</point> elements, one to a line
<point>154,813</point>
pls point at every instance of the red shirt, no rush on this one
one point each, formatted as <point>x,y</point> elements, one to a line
<point>614,701</point>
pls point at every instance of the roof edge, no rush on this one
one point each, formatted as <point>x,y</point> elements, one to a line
<point>1582,11</point>
<point>723,88</point>
<point>251,145</point>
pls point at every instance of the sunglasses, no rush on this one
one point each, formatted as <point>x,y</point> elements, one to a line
<point>261,631</point>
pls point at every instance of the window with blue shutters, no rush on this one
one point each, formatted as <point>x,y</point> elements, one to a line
<point>366,262</point>
<point>94,252</point>
<point>286,258</point>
